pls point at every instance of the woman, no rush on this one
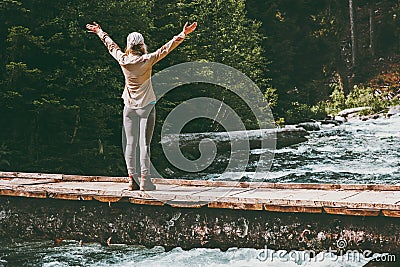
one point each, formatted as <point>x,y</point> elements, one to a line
<point>138,96</point>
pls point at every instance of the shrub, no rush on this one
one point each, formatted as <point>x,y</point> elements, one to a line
<point>336,101</point>
<point>362,96</point>
<point>299,112</point>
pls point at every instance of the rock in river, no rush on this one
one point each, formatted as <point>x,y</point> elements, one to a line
<point>309,126</point>
<point>393,111</point>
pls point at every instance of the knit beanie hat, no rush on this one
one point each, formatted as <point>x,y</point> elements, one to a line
<point>134,38</point>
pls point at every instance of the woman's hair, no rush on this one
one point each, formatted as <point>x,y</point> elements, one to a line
<point>138,49</point>
<point>135,44</point>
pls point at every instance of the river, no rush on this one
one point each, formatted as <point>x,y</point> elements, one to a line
<point>355,152</point>
<point>70,253</point>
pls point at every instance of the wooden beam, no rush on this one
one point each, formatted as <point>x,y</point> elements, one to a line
<point>107,198</point>
<point>22,193</point>
<point>186,204</point>
<point>25,181</point>
<point>183,182</point>
<point>80,178</point>
<point>69,196</point>
<point>235,206</point>
<point>353,212</point>
<point>141,201</point>
<point>31,175</point>
<point>391,213</point>
<point>305,209</point>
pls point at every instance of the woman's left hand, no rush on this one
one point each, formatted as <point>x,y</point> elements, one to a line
<point>94,28</point>
<point>189,28</point>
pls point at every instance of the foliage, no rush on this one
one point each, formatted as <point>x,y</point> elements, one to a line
<point>365,97</point>
<point>360,96</point>
<point>308,43</point>
<point>5,154</point>
<point>299,112</point>
<point>58,96</point>
<point>60,90</point>
<point>337,100</point>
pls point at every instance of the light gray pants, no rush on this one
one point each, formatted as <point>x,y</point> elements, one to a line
<point>138,128</point>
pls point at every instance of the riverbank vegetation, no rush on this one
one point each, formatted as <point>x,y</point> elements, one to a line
<point>60,90</point>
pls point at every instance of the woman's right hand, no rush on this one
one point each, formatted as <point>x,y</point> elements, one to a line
<point>189,28</point>
<point>94,28</point>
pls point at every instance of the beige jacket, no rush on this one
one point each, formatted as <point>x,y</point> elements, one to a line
<point>138,91</point>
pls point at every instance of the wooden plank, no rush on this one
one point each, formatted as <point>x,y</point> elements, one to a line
<point>185,189</point>
<point>303,197</point>
<point>44,191</point>
<point>107,198</point>
<point>186,204</point>
<point>352,205</point>
<point>350,211</point>
<point>81,188</point>
<point>152,202</point>
<point>160,193</point>
<point>236,206</point>
<point>24,181</point>
<point>178,193</point>
<point>216,193</point>
<point>22,193</point>
<point>263,195</point>
<point>85,178</point>
<point>4,182</point>
<point>304,209</point>
<point>295,197</point>
<point>61,188</point>
<point>66,196</point>
<point>391,213</point>
<point>374,199</point>
<point>208,183</point>
<point>375,187</point>
<point>31,175</point>
<point>391,197</point>
<point>308,198</point>
<point>327,186</point>
<point>99,186</point>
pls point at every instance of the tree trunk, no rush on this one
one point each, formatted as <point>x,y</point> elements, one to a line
<point>352,35</point>
<point>371,31</point>
<point>344,77</point>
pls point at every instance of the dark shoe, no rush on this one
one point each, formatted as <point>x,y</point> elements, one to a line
<point>133,184</point>
<point>146,184</point>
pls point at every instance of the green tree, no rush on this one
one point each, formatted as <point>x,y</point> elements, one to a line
<point>224,34</point>
<point>60,88</point>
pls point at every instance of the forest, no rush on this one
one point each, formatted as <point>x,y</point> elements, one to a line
<point>60,90</point>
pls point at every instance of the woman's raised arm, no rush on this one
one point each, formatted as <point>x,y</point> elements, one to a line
<point>112,47</point>
<point>172,44</point>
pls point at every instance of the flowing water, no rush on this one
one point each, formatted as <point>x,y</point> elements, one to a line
<point>70,253</point>
<point>356,152</point>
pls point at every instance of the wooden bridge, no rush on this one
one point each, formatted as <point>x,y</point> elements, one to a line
<point>194,213</point>
<point>346,199</point>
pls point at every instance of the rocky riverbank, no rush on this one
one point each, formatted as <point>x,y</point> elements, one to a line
<point>348,115</point>
<point>356,114</point>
